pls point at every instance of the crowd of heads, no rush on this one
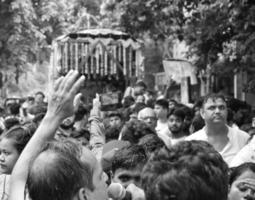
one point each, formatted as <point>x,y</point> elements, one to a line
<point>187,170</point>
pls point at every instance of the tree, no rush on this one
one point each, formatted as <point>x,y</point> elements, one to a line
<point>210,27</point>
<point>29,26</point>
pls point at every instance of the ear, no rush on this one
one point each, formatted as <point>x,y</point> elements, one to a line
<point>82,194</point>
<point>202,113</point>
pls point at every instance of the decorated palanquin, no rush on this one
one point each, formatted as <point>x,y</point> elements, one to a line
<point>103,56</point>
<point>98,54</point>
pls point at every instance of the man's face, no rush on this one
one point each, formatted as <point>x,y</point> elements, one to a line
<point>115,121</point>
<point>149,117</point>
<point>160,111</point>
<point>99,177</point>
<point>175,124</point>
<point>214,111</point>
<point>127,176</point>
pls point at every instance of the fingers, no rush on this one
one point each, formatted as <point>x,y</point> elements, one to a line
<point>76,85</point>
<point>77,99</point>
<point>66,80</point>
<point>58,82</point>
<point>70,79</point>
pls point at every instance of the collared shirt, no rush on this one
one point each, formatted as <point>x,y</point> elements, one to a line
<point>237,140</point>
<point>247,154</point>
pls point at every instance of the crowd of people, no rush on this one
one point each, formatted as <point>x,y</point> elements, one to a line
<point>149,148</point>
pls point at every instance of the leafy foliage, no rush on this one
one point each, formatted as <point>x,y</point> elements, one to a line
<point>210,27</point>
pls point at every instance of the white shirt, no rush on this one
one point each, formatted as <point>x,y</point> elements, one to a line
<point>177,140</point>
<point>163,132</point>
<point>237,140</point>
<point>247,154</point>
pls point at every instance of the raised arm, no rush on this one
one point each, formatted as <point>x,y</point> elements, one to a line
<point>97,129</point>
<point>60,106</point>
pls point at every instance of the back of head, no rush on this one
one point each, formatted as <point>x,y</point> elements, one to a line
<point>58,173</point>
<point>128,101</point>
<point>129,157</point>
<point>134,130</point>
<point>151,143</point>
<point>197,123</point>
<point>10,122</point>
<point>190,170</point>
<point>163,103</point>
<point>14,109</point>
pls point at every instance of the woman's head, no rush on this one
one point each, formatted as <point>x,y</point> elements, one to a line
<point>242,182</point>
<point>12,143</point>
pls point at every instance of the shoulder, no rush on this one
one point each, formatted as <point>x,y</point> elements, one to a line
<point>239,134</point>
<point>246,154</point>
<point>199,135</point>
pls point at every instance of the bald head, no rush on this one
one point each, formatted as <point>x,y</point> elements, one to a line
<point>148,115</point>
<point>59,172</point>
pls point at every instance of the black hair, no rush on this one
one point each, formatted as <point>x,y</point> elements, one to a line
<point>10,122</point>
<point>177,112</point>
<point>38,117</point>
<point>141,84</point>
<point>40,93</point>
<point>129,157</point>
<point>20,135</point>
<point>80,112</point>
<point>112,133</point>
<point>189,170</point>
<point>14,108</point>
<point>115,114</point>
<point>163,103</point>
<point>238,171</point>
<point>197,123</point>
<point>128,101</point>
<point>151,143</point>
<point>134,130</point>
<point>150,103</point>
<point>138,107</point>
<point>213,96</point>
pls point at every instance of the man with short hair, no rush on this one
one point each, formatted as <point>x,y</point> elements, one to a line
<point>127,165</point>
<point>226,140</point>
<point>115,120</point>
<point>187,171</point>
<point>175,124</point>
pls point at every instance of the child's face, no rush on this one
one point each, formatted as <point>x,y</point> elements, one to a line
<point>8,156</point>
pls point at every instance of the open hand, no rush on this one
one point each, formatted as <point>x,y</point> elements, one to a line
<point>62,95</point>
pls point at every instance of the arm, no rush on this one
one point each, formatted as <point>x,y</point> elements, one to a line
<point>97,129</point>
<point>60,106</point>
